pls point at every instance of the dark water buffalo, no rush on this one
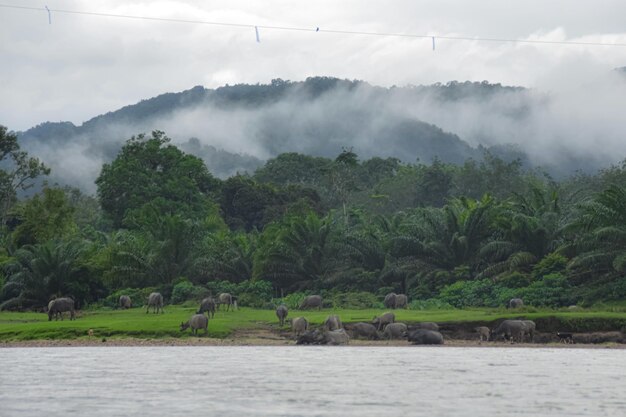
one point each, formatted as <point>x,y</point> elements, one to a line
<point>59,306</point>
<point>299,325</point>
<point>393,300</point>
<point>515,303</point>
<point>125,301</point>
<point>57,314</point>
<point>381,321</point>
<point>207,306</point>
<point>281,313</point>
<point>333,322</point>
<point>512,330</point>
<point>312,301</point>
<point>425,337</point>
<point>390,300</point>
<point>317,337</point>
<point>426,325</point>
<point>530,329</point>
<point>364,330</point>
<point>483,333</point>
<point>228,300</point>
<point>196,322</point>
<point>395,331</point>
<point>402,301</point>
<point>155,300</point>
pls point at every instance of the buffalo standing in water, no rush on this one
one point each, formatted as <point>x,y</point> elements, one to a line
<point>155,300</point>
<point>312,301</point>
<point>125,301</point>
<point>228,299</point>
<point>196,322</point>
<point>207,305</point>
<point>281,313</point>
<point>59,306</point>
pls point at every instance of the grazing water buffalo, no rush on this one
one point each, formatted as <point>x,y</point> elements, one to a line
<point>509,329</point>
<point>281,313</point>
<point>530,329</point>
<point>425,337</point>
<point>227,299</point>
<point>155,300</point>
<point>57,314</point>
<point>364,330</point>
<point>483,333</point>
<point>196,322</point>
<point>426,325</point>
<point>299,325</point>
<point>516,303</point>
<point>395,331</point>
<point>402,301</point>
<point>312,301</point>
<point>207,305</point>
<point>125,301</point>
<point>59,306</point>
<point>381,321</point>
<point>333,322</point>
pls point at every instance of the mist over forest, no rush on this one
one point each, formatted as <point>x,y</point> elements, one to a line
<point>237,128</point>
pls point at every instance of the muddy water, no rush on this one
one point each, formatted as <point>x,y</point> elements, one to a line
<point>311,381</point>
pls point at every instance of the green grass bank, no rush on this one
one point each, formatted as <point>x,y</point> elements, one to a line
<point>135,323</point>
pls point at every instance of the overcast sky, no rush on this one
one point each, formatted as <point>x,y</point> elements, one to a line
<point>82,66</point>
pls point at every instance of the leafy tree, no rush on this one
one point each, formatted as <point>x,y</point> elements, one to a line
<point>18,173</point>
<point>45,216</point>
<point>151,168</point>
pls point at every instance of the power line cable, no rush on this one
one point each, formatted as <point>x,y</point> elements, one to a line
<point>315,29</point>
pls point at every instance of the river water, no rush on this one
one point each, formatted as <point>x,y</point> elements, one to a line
<point>311,381</point>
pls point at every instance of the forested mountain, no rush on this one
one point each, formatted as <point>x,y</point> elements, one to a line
<point>236,128</point>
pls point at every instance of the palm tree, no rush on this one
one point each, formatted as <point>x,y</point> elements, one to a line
<point>38,272</point>
<point>599,237</point>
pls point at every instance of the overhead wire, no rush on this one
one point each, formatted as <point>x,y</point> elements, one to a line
<point>318,28</point>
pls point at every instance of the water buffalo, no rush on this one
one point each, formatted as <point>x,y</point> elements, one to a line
<point>565,337</point>
<point>207,305</point>
<point>390,300</point>
<point>281,313</point>
<point>381,321</point>
<point>196,322</point>
<point>530,329</point>
<point>364,330</point>
<point>426,325</point>
<point>425,337</point>
<point>316,337</point>
<point>515,303</point>
<point>299,325</point>
<point>402,301</point>
<point>227,299</point>
<point>395,331</point>
<point>312,301</point>
<point>483,333</point>
<point>333,322</point>
<point>60,305</point>
<point>57,314</point>
<point>125,302</point>
<point>155,300</point>
<point>510,329</point>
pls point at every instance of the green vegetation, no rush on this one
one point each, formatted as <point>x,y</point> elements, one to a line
<point>448,236</point>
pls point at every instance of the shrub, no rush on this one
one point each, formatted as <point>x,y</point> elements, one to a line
<point>552,290</point>
<point>355,300</point>
<point>430,304</point>
<point>468,293</point>
<point>186,291</point>
<point>550,264</point>
<point>293,300</point>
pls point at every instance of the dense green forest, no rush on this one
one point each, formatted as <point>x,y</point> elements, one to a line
<point>471,234</point>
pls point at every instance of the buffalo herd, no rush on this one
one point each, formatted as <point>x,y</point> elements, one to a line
<point>333,331</point>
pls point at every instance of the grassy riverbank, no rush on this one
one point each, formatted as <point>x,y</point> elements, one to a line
<point>136,324</point>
